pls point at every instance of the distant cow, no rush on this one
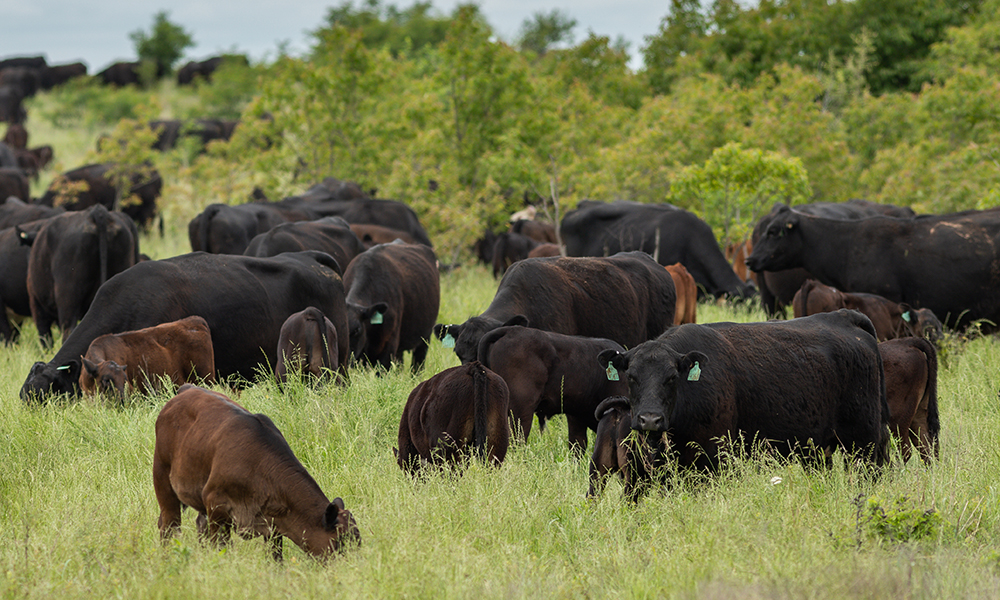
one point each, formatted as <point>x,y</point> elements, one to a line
<point>370,211</point>
<point>15,212</point>
<point>120,74</point>
<point>911,367</point>
<point>459,411</point>
<point>891,319</point>
<point>542,250</point>
<point>13,182</point>
<point>804,386</point>
<point>180,350</point>
<point>687,294</point>
<point>226,229</point>
<point>98,190</point>
<point>307,344</point>
<point>627,298</point>
<point>236,470</point>
<point>510,248</point>
<point>14,256</point>
<point>331,235</point>
<point>372,235</point>
<point>393,298</point>
<point>542,232</point>
<point>71,257</point>
<point>205,68</point>
<point>549,374</point>
<point>636,456</point>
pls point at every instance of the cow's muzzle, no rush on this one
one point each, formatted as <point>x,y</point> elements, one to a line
<point>649,421</point>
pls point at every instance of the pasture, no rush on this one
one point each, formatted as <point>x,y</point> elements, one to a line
<point>78,514</point>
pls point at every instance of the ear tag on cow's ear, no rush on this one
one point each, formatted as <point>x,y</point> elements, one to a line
<point>906,316</point>
<point>612,372</point>
<point>447,341</point>
<point>63,368</point>
<point>376,318</point>
<point>695,373</point>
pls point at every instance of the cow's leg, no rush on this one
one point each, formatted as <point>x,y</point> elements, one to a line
<point>170,505</point>
<point>43,322</point>
<point>218,515</point>
<point>577,435</point>
<point>276,546</point>
<point>419,355</point>
<point>7,332</point>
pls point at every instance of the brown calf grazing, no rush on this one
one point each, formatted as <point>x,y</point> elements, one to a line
<point>687,294</point>
<point>544,250</point>
<point>619,449</point>
<point>910,366</point>
<point>551,373</point>
<point>307,344</point>
<point>891,319</point>
<point>180,350</point>
<point>236,469</point>
<point>459,410</point>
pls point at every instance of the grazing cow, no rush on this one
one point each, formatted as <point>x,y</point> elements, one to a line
<point>307,344</point>
<point>72,256</point>
<point>778,287</point>
<point>541,231</point>
<point>13,182</point>
<point>627,298</point>
<point>245,301</point>
<point>60,74</point>
<point>456,412</point>
<point>373,235</point>
<point>891,319</point>
<point>120,74</point>
<point>483,248</point>
<point>949,264</point>
<point>687,294</point>
<point>510,248</point>
<point>542,250</point>
<point>180,351</point>
<point>15,212</point>
<point>549,374</point>
<point>636,456</point>
<point>331,235</point>
<point>387,213</point>
<point>393,297</point>
<point>14,275</point>
<point>12,104</point>
<point>237,470</point>
<point>804,386</point>
<point>225,229</point>
<point>910,366</point>
<point>205,68</point>
<point>98,190</point>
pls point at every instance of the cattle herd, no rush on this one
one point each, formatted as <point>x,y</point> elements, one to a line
<point>601,328</point>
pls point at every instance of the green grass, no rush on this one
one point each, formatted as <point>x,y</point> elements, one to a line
<point>78,514</point>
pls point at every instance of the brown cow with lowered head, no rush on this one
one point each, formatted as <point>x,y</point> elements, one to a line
<point>180,350</point>
<point>307,344</point>
<point>236,469</point>
<point>687,294</point>
<point>910,366</point>
<point>459,410</point>
<point>633,455</point>
<point>891,319</point>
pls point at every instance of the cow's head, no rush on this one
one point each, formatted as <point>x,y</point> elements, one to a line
<point>653,371</point>
<point>367,325</point>
<point>106,377</point>
<point>465,337</point>
<point>45,379</point>
<point>339,529</point>
<point>780,245</point>
<point>922,322</point>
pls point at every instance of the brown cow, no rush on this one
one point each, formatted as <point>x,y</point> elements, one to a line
<point>544,250</point>
<point>372,235</point>
<point>687,294</point>
<point>235,468</point>
<point>551,373</point>
<point>459,410</point>
<point>910,366</point>
<point>891,319</point>
<point>180,350</point>
<point>619,449</point>
<point>540,231</point>
<point>307,344</point>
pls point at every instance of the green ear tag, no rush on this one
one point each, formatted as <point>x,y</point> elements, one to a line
<point>447,341</point>
<point>612,372</point>
<point>63,368</point>
<point>376,319</point>
<point>906,316</point>
<point>695,373</point>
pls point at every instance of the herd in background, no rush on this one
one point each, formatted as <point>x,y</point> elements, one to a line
<point>601,329</point>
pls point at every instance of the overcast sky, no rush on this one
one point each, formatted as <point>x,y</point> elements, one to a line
<point>97,32</point>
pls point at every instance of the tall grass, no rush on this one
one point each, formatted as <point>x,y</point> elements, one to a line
<point>78,514</point>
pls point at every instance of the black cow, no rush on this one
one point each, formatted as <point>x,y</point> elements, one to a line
<point>627,298</point>
<point>665,232</point>
<point>331,235</point>
<point>225,229</point>
<point>550,374</point>
<point>14,183</point>
<point>72,255</point>
<point>14,275</point>
<point>949,264</point>
<point>777,288</point>
<point>100,191</point>
<point>12,104</point>
<point>387,213</point>
<point>121,74</point>
<point>393,297</point>
<point>510,248</point>
<point>245,301</point>
<point>636,456</point>
<point>14,212</point>
<point>60,74</point>
<point>804,387</point>
<point>205,68</point>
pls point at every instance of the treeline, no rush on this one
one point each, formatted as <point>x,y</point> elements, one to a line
<point>735,108</point>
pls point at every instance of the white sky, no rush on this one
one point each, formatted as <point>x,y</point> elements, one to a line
<point>97,32</point>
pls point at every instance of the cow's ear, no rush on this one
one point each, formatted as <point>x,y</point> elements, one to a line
<point>90,366</point>
<point>516,320</point>
<point>691,364</point>
<point>907,313</point>
<point>440,330</point>
<point>71,369</point>
<point>332,512</point>
<point>615,358</point>
<point>375,313</point>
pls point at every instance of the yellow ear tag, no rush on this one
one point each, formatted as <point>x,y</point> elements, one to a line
<point>695,373</point>
<point>612,372</point>
<point>447,341</point>
<point>376,319</point>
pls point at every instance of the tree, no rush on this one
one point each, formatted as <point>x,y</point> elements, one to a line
<point>163,45</point>
<point>542,31</point>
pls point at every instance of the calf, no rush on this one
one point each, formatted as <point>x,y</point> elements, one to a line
<point>636,456</point>
<point>393,297</point>
<point>687,294</point>
<point>910,366</point>
<point>180,351</point>
<point>891,319</point>
<point>551,373</point>
<point>308,344</point>
<point>460,409</point>
<point>236,469</point>
<point>544,250</point>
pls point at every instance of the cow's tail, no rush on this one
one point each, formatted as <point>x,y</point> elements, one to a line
<point>206,226</point>
<point>102,220</point>
<point>486,343</point>
<point>324,340</point>
<point>800,303</point>
<point>480,404</point>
